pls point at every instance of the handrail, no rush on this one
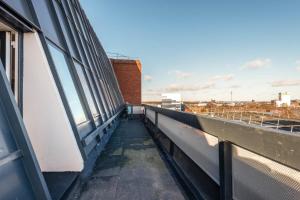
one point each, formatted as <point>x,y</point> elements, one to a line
<point>277,145</point>
<point>89,138</point>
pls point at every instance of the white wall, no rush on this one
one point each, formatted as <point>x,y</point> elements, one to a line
<point>45,118</point>
<point>201,147</point>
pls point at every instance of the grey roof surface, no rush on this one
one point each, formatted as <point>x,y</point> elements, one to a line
<point>131,168</point>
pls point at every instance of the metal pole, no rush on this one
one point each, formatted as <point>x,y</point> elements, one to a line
<point>225,170</point>
<point>262,121</point>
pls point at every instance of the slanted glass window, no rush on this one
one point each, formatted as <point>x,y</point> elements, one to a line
<point>68,84</point>
<point>88,73</point>
<point>87,91</point>
<point>46,20</point>
<point>21,7</point>
<point>66,30</point>
<point>81,24</point>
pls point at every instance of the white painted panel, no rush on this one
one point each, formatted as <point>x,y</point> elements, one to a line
<point>138,110</point>
<point>256,177</point>
<point>201,147</point>
<point>150,115</point>
<point>45,118</point>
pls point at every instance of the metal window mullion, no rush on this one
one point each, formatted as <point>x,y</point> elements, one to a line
<point>69,28</point>
<point>95,64</point>
<point>19,132</point>
<point>62,94</point>
<point>81,25</point>
<point>114,89</point>
<point>102,69</point>
<point>83,19</point>
<point>98,68</point>
<point>94,68</point>
<point>74,32</point>
<point>101,106</point>
<point>91,91</point>
<point>114,79</point>
<point>106,88</point>
<point>85,24</point>
<point>101,93</point>
<point>106,97</point>
<point>83,52</point>
<point>110,89</point>
<point>72,69</point>
<point>82,96</point>
<point>110,73</point>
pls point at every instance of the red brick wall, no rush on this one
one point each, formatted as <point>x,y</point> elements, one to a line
<point>129,75</point>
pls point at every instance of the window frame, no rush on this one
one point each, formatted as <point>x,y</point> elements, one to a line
<point>88,85</point>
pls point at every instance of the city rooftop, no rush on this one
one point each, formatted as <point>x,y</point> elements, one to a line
<point>79,120</point>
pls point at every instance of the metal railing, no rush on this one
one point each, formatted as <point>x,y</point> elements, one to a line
<point>244,160</point>
<point>258,118</point>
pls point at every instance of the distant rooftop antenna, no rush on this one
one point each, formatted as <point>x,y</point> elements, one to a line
<point>116,55</point>
<point>231,95</point>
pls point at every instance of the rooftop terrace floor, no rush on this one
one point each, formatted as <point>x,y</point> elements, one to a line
<point>131,167</point>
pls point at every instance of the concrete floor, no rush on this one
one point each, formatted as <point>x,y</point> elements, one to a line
<point>131,168</point>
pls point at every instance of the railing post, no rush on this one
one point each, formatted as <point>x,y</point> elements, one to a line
<point>156,122</point>
<point>225,169</point>
<point>171,148</point>
<point>145,114</point>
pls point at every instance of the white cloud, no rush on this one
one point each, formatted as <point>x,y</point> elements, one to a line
<point>257,63</point>
<point>282,83</point>
<point>226,77</point>
<point>188,88</point>
<point>148,78</point>
<point>179,88</point>
<point>180,74</point>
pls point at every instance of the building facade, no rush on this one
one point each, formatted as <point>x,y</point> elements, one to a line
<point>284,100</point>
<point>171,101</point>
<point>59,89</point>
<point>129,75</point>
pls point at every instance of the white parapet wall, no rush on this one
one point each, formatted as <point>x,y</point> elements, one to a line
<point>45,117</point>
<point>201,147</point>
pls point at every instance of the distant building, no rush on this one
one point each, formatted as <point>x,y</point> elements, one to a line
<point>284,100</point>
<point>202,104</point>
<point>231,104</point>
<point>171,101</point>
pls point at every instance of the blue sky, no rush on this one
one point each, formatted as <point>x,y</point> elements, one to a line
<point>205,49</point>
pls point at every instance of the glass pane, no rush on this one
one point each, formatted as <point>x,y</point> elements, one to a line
<point>81,24</point>
<point>94,91</point>
<point>68,85</point>
<point>86,89</point>
<point>66,30</point>
<point>45,18</point>
<point>22,8</point>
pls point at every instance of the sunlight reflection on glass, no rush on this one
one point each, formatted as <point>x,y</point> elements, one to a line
<point>68,85</point>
